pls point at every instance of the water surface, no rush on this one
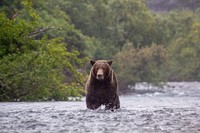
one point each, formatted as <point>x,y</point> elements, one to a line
<point>175,109</point>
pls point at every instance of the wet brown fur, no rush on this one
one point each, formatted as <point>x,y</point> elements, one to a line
<point>103,92</point>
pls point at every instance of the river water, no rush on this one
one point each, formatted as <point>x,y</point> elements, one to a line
<point>174,109</point>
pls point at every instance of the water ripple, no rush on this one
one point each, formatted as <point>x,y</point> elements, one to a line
<point>137,114</point>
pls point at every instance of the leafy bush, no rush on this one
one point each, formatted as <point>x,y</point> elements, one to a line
<point>32,68</point>
<point>140,65</point>
<point>185,55</point>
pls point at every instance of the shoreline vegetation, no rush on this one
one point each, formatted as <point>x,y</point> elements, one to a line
<point>45,47</point>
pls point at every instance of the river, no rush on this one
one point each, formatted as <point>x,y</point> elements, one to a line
<point>174,109</point>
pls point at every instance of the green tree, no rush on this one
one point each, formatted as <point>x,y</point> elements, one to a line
<point>112,23</point>
<point>140,65</point>
<point>31,68</point>
<point>185,54</point>
<point>55,17</point>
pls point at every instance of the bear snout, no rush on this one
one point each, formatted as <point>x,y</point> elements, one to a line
<point>100,75</point>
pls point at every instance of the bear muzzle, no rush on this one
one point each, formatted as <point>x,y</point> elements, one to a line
<point>100,75</point>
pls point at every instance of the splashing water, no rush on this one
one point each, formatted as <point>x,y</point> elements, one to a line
<point>177,109</point>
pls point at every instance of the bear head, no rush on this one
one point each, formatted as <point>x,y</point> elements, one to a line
<point>101,69</point>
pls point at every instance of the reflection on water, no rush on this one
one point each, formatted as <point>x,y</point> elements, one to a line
<point>175,109</point>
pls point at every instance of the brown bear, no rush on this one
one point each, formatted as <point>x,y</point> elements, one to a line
<point>101,86</point>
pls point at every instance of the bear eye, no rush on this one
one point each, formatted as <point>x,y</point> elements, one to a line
<point>104,69</point>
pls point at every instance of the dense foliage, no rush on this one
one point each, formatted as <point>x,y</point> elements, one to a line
<point>43,44</point>
<point>131,34</point>
<point>140,65</point>
<point>33,67</point>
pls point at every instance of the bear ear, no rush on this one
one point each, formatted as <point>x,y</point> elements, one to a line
<point>110,62</point>
<point>92,62</point>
